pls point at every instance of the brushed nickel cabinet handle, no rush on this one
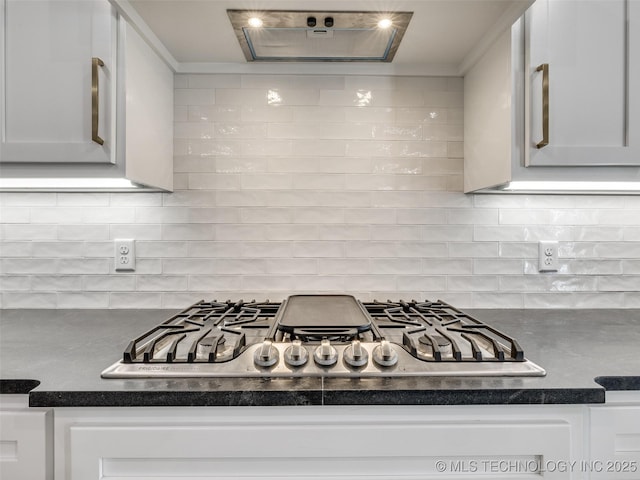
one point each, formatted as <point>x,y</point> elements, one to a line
<point>545,105</point>
<point>95,63</point>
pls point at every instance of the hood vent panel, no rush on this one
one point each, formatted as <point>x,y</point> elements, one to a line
<point>286,36</point>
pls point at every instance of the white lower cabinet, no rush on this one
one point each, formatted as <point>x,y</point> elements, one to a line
<point>615,437</point>
<point>26,446</point>
<point>390,442</point>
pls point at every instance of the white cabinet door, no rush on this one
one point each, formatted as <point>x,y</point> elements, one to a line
<point>145,119</point>
<point>592,50</point>
<point>26,447</point>
<point>394,442</point>
<point>615,442</point>
<point>49,79</point>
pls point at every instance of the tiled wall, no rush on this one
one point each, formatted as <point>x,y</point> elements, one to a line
<point>318,184</point>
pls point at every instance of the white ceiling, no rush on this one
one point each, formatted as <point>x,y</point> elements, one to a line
<point>443,34</point>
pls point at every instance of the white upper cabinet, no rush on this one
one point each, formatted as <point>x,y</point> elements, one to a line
<point>59,81</point>
<point>87,104</point>
<point>554,104</point>
<point>591,53</point>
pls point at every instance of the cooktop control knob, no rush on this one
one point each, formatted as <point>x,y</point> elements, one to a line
<point>384,354</point>
<point>325,355</point>
<point>296,355</point>
<point>266,355</point>
<point>355,355</point>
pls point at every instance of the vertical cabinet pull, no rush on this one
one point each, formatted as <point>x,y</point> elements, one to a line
<point>95,103</point>
<point>545,105</point>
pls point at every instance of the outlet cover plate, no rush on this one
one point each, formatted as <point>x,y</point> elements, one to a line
<point>124,254</point>
<point>548,256</point>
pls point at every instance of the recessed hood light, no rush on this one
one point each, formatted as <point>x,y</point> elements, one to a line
<point>316,36</point>
<point>255,22</point>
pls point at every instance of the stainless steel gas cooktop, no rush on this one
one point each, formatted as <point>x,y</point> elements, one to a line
<point>322,336</point>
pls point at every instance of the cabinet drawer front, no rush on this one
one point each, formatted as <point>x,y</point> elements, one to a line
<point>331,450</point>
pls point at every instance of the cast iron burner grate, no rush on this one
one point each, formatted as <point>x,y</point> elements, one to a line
<point>204,332</point>
<point>436,331</point>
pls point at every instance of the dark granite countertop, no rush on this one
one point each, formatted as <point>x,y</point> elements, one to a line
<point>57,356</point>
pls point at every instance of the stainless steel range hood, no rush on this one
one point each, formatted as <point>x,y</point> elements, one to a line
<point>309,36</point>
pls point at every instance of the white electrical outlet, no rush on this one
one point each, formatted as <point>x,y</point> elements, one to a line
<point>124,254</point>
<point>548,256</point>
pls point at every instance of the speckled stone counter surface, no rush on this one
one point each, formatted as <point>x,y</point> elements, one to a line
<point>583,351</point>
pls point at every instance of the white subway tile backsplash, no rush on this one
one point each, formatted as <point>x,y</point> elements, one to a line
<point>213,181</point>
<point>311,249</point>
<point>498,300</point>
<point>473,250</point>
<point>472,283</point>
<point>281,232</point>
<point>344,266</point>
<point>601,234</point>
<point>344,232</point>
<point>319,181</point>
<point>400,165</point>
<point>136,231</point>
<point>161,283</point>
<point>447,233</point>
<point>16,249</point>
<point>452,99</point>
<point>309,183</point>
<point>109,283</point>
<point>318,215</point>
<point>138,300</point>
<point>396,266</point>
<point>56,249</point>
<point>27,199</point>
<point>242,232</point>
<point>317,148</point>
<point>15,214</point>
<point>370,216</point>
<point>422,283</point>
<point>502,233</point>
<point>188,266</point>
<point>631,300</point>
<point>83,232</point>
<point>619,283</point>
<point>213,249</point>
<point>83,300</point>
<point>270,249</point>
<point>16,283</point>
<point>214,283</point>
<point>28,232</point>
<point>193,231</point>
<point>59,215</point>
<point>525,217</point>
<point>30,300</point>
<point>54,283</point>
<point>159,249</point>
<point>498,266</point>
<point>293,266</point>
<point>447,266</point>
<point>630,267</point>
<point>148,266</point>
<point>483,216</point>
<point>397,232</point>
<point>183,96</point>
<point>212,81</point>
